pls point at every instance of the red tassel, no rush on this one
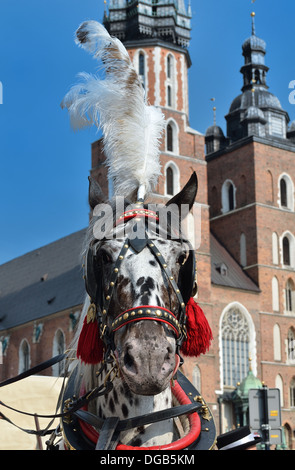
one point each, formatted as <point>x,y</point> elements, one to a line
<point>199,334</point>
<point>90,346</point>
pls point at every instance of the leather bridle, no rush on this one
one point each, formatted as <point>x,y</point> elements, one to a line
<point>102,299</point>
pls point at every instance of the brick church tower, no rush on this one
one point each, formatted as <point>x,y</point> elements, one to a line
<point>251,196</point>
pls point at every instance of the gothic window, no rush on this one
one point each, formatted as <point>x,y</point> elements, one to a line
<point>141,64</point>
<point>292,393</point>
<point>172,179</point>
<point>58,348</point>
<point>275,294</point>
<point>286,192</point>
<point>286,251</point>
<point>228,196</point>
<point>277,343</point>
<point>172,137</point>
<point>169,66</point>
<point>291,345</point>
<point>141,68</point>
<point>169,138</point>
<point>169,96</point>
<point>283,190</point>
<point>170,84</point>
<point>235,334</point>
<point>24,356</point>
<point>289,294</point>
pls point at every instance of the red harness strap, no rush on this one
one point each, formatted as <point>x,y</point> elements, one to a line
<point>137,213</point>
<point>184,442</point>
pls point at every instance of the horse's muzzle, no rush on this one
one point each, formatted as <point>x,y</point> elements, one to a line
<point>146,357</point>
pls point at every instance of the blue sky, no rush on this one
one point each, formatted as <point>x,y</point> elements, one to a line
<point>44,165</point>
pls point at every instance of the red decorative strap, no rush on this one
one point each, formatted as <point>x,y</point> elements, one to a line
<point>147,312</point>
<point>137,213</point>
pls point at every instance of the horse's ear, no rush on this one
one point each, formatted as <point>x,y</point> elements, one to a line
<point>95,195</point>
<point>188,194</point>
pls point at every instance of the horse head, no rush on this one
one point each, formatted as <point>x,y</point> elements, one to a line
<point>140,286</point>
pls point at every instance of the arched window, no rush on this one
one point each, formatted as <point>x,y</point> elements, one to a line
<point>170,82</point>
<point>243,250</point>
<point>289,296</point>
<point>283,192</point>
<point>169,66</point>
<point>172,137</point>
<point>141,68</point>
<point>169,96</point>
<point>235,338</point>
<point>58,348</point>
<point>291,345</point>
<point>141,64</point>
<point>286,192</point>
<point>275,295</point>
<point>286,251</point>
<point>257,76</point>
<point>169,181</point>
<point>172,179</point>
<point>292,393</point>
<point>169,138</point>
<point>228,196</point>
<point>24,356</point>
<point>277,343</point>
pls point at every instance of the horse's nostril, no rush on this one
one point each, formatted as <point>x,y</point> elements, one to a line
<point>128,360</point>
<point>169,349</point>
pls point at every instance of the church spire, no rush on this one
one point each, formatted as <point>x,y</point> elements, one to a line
<point>256,111</point>
<point>253,23</point>
<point>254,70</point>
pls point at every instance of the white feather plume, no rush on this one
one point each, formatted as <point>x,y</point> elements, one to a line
<point>116,103</point>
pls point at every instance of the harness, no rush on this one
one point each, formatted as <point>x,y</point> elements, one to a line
<point>183,288</point>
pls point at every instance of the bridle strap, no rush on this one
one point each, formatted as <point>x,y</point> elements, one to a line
<point>147,312</point>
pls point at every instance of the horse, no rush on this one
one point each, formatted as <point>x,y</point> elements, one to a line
<point>139,272</point>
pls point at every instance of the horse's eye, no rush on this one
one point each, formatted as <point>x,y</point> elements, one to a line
<point>106,257</point>
<point>181,259</point>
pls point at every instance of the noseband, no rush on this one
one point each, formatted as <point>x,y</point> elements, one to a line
<point>102,300</point>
